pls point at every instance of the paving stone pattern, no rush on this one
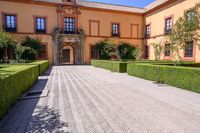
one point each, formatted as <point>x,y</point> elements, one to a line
<point>84,99</point>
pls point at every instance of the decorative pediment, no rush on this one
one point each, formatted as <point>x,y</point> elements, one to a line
<point>69,11</point>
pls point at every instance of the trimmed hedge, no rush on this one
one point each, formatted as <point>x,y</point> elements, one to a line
<point>14,80</point>
<point>151,61</point>
<point>185,64</point>
<point>42,65</point>
<point>183,77</point>
<point>115,66</point>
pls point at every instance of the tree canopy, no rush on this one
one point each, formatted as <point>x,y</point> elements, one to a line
<point>185,30</point>
<point>6,40</point>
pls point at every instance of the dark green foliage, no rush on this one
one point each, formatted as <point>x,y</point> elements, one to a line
<point>14,80</point>
<point>1,55</point>
<point>115,66</point>
<point>6,43</point>
<point>182,77</point>
<point>110,49</point>
<point>31,42</point>
<point>42,65</point>
<point>101,45</point>
<point>126,51</point>
<point>6,40</point>
<point>30,46</point>
<point>28,53</point>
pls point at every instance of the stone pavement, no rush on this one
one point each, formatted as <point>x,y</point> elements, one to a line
<point>84,99</point>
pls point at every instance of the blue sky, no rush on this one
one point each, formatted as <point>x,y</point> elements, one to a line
<point>136,3</point>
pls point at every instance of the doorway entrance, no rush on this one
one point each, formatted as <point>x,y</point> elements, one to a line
<point>66,55</point>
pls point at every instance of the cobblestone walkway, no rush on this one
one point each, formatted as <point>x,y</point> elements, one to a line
<point>84,99</point>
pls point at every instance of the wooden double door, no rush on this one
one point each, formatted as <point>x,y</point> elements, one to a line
<point>66,55</point>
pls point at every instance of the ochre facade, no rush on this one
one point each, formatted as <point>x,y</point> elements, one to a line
<point>156,20</point>
<point>95,22</point>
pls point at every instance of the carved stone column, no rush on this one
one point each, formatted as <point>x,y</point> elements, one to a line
<point>82,47</point>
<point>56,49</point>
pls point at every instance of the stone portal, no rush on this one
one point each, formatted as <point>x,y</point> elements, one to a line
<point>69,49</point>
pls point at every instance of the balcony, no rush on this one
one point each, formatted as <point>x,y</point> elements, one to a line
<point>70,32</point>
<point>61,31</point>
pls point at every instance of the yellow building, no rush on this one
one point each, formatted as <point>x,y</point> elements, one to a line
<point>159,19</point>
<point>70,28</point>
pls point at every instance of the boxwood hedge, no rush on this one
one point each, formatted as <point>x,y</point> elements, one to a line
<point>42,65</point>
<point>115,66</point>
<point>14,80</point>
<point>178,76</point>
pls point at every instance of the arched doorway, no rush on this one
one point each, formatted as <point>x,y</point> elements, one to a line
<point>67,54</point>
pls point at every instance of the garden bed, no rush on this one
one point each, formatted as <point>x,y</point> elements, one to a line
<point>115,66</point>
<point>179,76</point>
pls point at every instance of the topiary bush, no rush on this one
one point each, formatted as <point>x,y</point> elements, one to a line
<point>42,65</point>
<point>14,80</point>
<point>183,77</point>
<point>115,66</point>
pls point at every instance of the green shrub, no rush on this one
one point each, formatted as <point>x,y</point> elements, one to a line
<point>14,80</point>
<point>42,65</point>
<point>182,77</point>
<point>6,43</point>
<point>31,42</point>
<point>183,64</point>
<point>126,51</point>
<point>111,49</point>
<point>115,66</point>
<point>28,53</point>
<point>101,47</point>
<point>150,61</point>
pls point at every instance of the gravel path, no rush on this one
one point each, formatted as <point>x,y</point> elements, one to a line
<point>84,99</point>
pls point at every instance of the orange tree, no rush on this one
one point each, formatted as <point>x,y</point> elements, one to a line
<point>185,30</point>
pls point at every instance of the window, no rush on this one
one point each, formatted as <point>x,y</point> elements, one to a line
<point>94,52</point>
<point>168,25</point>
<point>10,23</point>
<point>190,15</point>
<point>42,53</point>
<point>115,30</point>
<point>189,50</point>
<point>146,52</point>
<point>40,25</point>
<point>69,25</point>
<point>167,50</point>
<point>148,30</point>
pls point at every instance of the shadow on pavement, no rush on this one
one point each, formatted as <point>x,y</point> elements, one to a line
<point>45,120</point>
<point>22,117</point>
